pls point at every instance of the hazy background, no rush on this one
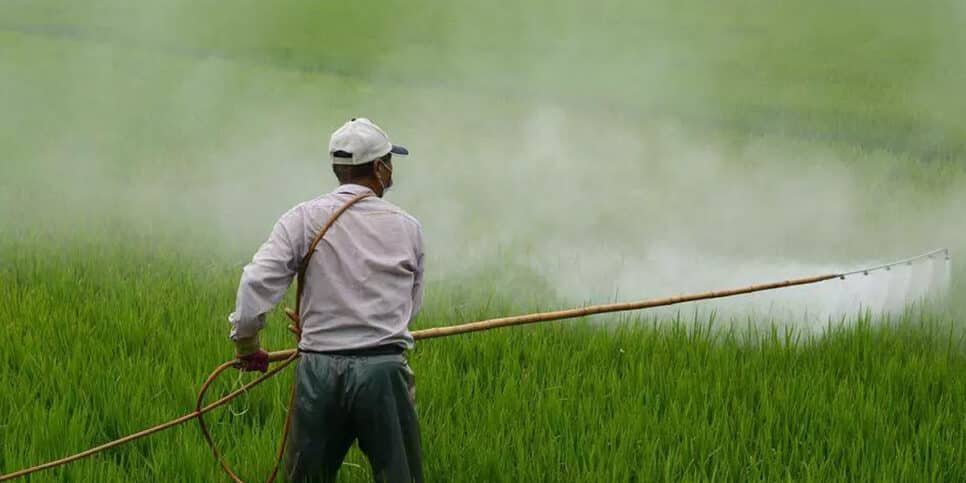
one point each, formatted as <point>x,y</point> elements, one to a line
<point>576,151</point>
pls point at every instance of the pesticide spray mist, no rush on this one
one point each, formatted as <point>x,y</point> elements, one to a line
<point>545,162</point>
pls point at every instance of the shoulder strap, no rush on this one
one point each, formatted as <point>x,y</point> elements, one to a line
<point>308,256</point>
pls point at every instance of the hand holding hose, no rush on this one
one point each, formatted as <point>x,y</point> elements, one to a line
<point>249,356</point>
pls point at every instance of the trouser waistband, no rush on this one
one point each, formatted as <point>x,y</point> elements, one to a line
<point>379,350</point>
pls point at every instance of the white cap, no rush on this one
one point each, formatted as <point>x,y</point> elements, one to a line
<point>360,141</point>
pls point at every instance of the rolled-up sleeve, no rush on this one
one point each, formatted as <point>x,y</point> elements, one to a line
<point>264,282</point>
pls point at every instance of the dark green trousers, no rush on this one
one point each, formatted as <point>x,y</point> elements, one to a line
<point>340,399</point>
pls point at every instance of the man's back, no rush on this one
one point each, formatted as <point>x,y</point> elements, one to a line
<point>363,284</point>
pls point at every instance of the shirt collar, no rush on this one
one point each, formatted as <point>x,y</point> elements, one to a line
<point>353,189</point>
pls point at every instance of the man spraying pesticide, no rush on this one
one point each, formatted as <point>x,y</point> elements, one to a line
<point>359,287</point>
<point>359,264</point>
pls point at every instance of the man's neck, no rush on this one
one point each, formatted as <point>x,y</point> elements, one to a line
<point>372,184</point>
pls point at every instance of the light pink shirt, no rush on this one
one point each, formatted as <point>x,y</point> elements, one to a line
<point>363,285</point>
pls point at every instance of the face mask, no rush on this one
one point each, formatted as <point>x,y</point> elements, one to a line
<point>385,187</point>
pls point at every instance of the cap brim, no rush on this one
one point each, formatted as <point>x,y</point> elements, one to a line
<point>400,150</point>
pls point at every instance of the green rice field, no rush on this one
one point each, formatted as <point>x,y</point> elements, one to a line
<point>146,148</point>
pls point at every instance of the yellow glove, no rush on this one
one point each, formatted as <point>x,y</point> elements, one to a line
<point>246,346</point>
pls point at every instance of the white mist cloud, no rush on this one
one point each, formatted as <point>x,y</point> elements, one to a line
<point>603,199</point>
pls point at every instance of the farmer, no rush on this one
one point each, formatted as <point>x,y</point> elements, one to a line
<point>363,286</point>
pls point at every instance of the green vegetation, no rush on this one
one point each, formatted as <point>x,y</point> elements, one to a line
<point>571,402</point>
<point>145,149</point>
